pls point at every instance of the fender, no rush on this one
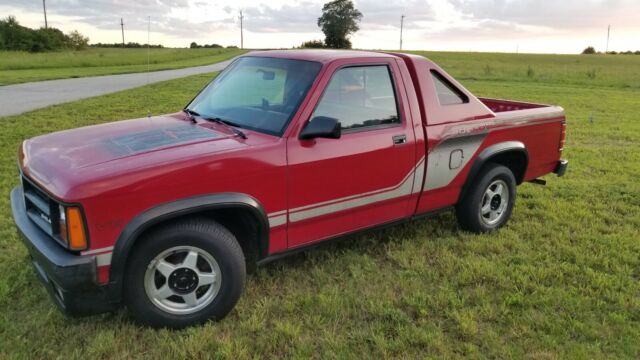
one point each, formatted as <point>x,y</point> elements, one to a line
<point>170,210</point>
<point>490,152</point>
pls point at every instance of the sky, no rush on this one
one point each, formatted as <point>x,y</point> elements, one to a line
<point>527,26</point>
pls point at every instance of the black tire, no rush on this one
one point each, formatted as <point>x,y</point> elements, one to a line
<point>204,235</point>
<point>469,209</point>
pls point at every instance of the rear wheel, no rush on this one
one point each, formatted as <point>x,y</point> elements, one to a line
<point>490,200</point>
<point>185,273</point>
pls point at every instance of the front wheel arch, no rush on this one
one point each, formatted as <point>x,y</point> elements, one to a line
<point>184,208</point>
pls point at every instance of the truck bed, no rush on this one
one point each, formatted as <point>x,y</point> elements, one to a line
<point>500,105</point>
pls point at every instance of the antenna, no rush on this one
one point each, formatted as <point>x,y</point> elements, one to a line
<point>608,32</point>
<point>44,7</point>
<point>401,28</point>
<point>122,27</point>
<point>241,35</point>
<point>148,61</point>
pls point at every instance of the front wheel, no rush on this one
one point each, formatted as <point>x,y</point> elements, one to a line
<point>185,273</point>
<point>490,200</point>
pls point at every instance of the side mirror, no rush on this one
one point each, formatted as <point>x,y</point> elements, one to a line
<point>321,127</point>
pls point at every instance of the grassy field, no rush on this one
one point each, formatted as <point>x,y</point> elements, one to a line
<point>562,280</point>
<point>18,67</point>
<point>618,71</point>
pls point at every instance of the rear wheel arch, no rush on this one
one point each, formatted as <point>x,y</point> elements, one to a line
<point>511,154</point>
<point>241,214</point>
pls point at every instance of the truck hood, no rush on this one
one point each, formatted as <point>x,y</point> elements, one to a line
<point>118,145</point>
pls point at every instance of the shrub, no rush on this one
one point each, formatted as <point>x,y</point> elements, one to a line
<point>530,72</point>
<point>589,50</point>
<point>313,44</point>
<point>77,40</point>
<point>14,36</point>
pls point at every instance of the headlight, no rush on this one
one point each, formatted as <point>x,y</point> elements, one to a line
<point>72,227</point>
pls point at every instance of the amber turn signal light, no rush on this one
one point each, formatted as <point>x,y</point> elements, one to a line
<point>75,229</point>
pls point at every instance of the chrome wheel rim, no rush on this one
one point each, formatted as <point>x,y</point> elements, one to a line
<point>494,202</point>
<point>182,280</point>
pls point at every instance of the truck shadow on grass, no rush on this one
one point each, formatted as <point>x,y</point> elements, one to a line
<point>373,242</point>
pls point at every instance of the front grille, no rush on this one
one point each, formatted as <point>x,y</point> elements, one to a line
<point>41,209</point>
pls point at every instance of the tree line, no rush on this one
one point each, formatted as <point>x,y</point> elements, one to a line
<point>14,36</point>
<point>129,45</point>
<point>195,45</point>
<point>590,50</point>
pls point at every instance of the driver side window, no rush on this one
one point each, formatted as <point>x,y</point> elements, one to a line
<point>360,97</point>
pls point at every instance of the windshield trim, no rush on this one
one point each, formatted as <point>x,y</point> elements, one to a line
<point>294,111</point>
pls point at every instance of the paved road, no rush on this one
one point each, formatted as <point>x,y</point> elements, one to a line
<point>19,98</point>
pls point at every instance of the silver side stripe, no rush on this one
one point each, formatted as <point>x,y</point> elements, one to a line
<point>104,259</point>
<point>96,251</point>
<point>419,176</point>
<point>411,184</point>
<point>277,220</point>
<point>404,189</point>
<point>439,170</point>
<point>103,255</point>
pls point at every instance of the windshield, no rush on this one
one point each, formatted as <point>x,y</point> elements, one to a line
<point>257,93</point>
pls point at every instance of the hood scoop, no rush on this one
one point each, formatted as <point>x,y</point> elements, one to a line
<point>145,141</point>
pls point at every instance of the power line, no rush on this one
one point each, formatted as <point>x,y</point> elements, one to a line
<point>122,27</point>
<point>608,32</point>
<point>44,7</point>
<point>401,28</point>
<point>241,35</point>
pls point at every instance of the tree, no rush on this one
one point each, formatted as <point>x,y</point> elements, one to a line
<point>77,40</point>
<point>194,45</point>
<point>339,19</point>
<point>589,51</point>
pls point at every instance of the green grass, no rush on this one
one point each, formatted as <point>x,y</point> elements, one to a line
<point>562,280</point>
<point>18,67</point>
<point>619,71</point>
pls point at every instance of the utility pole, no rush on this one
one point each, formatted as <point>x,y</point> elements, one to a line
<point>44,7</point>
<point>401,28</point>
<point>241,35</point>
<point>122,27</point>
<point>608,32</point>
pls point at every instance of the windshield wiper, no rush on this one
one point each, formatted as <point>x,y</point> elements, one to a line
<point>191,115</point>
<point>228,125</point>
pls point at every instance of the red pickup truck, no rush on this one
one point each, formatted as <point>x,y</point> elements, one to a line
<point>283,150</point>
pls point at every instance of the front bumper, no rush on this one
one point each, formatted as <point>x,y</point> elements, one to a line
<point>561,168</point>
<point>70,279</point>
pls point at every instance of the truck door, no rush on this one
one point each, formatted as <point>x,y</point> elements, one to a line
<point>365,177</point>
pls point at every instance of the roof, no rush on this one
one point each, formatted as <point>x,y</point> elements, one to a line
<point>322,56</point>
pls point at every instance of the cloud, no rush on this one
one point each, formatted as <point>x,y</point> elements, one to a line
<point>573,14</point>
<point>299,17</point>
<point>278,22</point>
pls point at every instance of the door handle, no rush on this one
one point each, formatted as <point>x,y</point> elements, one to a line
<point>399,139</point>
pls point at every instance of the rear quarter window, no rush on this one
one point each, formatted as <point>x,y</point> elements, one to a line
<point>447,93</point>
